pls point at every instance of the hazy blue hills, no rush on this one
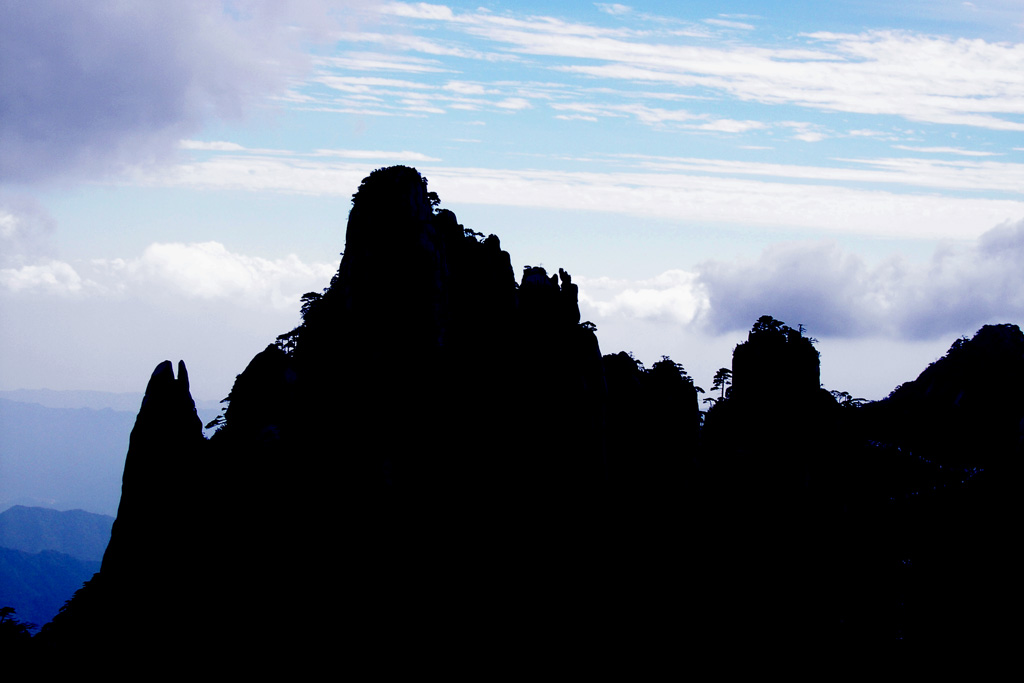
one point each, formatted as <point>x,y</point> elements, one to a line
<point>69,452</point>
<point>77,533</point>
<point>36,585</point>
<point>64,458</point>
<point>59,450</point>
<point>46,555</point>
<point>96,400</point>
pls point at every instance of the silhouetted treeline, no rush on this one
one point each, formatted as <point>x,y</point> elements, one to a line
<point>438,458</point>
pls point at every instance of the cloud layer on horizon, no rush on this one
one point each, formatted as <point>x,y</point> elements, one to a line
<point>197,271</point>
<point>833,292</point>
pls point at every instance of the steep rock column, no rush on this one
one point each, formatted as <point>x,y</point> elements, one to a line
<point>155,533</point>
<point>159,469</point>
<point>144,600</point>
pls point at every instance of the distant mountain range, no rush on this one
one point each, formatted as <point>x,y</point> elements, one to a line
<point>77,533</point>
<point>61,453</point>
<point>66,450</point>
<point>46,555</point>
<point>95,400</point>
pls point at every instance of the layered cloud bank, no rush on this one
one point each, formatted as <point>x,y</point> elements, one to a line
<point>202,271</point>
<point>833,292</point>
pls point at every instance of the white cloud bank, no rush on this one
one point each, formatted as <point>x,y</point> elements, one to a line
<point>832,292</point>
<point>199,271</point>
<point>675,296</point>
<point>25,230</point>
<point>54,277</point>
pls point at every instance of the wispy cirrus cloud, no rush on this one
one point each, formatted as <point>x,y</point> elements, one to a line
<point>376,155</point>
<point>393,96</point>
<point>948,150</point>
<point>613,8</point>
<point>404,156</point>
<point>658,116</point>
<point>702,190</point>
<point>379,61</point>
<point>935,79</point>
<point>419,10</point>
<point>730,23</point>
<point>990,176</point>
<point>413,43</point>
<point>368,84</point>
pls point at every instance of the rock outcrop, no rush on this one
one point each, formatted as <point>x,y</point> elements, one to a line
<point>437,434</point>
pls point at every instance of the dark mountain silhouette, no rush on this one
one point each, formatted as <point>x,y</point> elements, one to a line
<point>466,477</point>
<point>652,426</point>
<point>889,503</point>
<point>965,408</point>
<point>954,438</point>
<point>439,431</point>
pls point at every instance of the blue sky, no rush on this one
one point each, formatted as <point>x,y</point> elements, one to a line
<point>175,176</point>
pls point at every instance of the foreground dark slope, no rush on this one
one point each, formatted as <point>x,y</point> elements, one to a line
<point>466,475</point>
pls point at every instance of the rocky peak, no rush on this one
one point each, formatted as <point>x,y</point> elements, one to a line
<point>968,402</point>
<point>775,362</point>
<point>163,453</point>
